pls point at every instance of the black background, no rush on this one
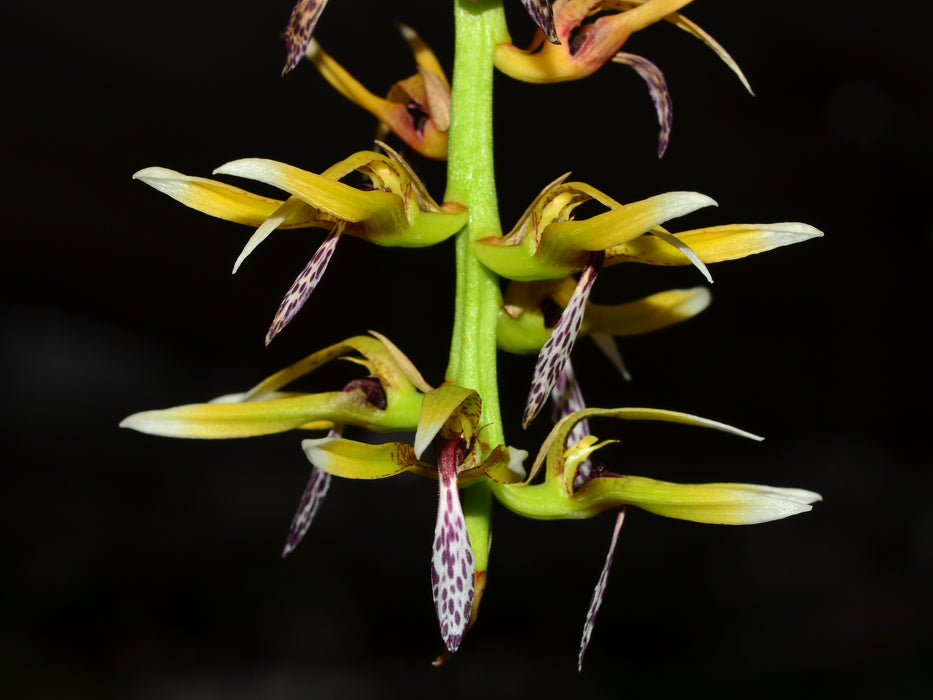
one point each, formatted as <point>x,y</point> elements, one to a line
<point>143,567</point>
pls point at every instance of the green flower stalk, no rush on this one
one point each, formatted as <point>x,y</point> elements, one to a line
<point>523,291</point>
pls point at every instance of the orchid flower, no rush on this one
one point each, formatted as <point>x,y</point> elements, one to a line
<point>584,35</point>
<point>566,493</point>
<point>449,421</point>
<point>397,211</point>
<point>417,109</point>
<point>547,244</point>
<point>387,399</point>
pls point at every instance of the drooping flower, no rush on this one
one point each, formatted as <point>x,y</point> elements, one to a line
<point>531,309</point>
<point>396,211</point>
<point>583,35</point>
<point>387,399</point>
<point>574,489</point>
<point>547,244</point>
<point>449,421</point>
<point>417,109</point>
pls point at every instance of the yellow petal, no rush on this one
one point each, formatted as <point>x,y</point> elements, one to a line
<point>645,315</point>
<point>359,460</point>
<point>714,244</point>
<point>220,199</point>
<point>447,410</point>
<point>248,419</point>
<point>344,83</point>
<point>622,224</point>
<point>424,57</point>
<point>335,198</point>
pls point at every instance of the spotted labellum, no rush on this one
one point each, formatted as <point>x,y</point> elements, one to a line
<point>452,566</point>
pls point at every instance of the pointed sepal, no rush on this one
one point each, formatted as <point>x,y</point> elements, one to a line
<point>305,283</point>
<point>599,592</point>
<point>394,403</point>
<point>311,499</point>
<point>300,29</point>
<point>713,243</point>
<point>556,351</point>
<point>221,200</point>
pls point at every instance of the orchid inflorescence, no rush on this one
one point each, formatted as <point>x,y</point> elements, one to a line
<point>509,285</point>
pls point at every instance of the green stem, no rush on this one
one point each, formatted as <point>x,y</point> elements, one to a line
<point>479,26</point>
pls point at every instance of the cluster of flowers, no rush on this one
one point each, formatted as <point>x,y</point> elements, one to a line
<point>549,260</point>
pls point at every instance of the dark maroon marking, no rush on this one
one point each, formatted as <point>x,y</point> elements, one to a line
<point>370,389</point>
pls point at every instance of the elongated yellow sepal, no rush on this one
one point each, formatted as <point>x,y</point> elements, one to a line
<point>253,418</point>
<point>714,243</point>
<point>330,196</point>
<point>646,315</point>
<point>265,409</point>
<point>222,200</point>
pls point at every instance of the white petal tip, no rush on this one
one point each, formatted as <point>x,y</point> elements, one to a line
<point>156,173</point>
<point>240,167</point>
<point>152,423</point>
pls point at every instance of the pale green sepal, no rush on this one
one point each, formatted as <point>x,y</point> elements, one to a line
<point>719,504</point>
<point>426,229</point>
<point>521,263</point>
<point>447,410</point>
<point>360,460</point>
<point>265,417</point>
<point>524,335</point>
